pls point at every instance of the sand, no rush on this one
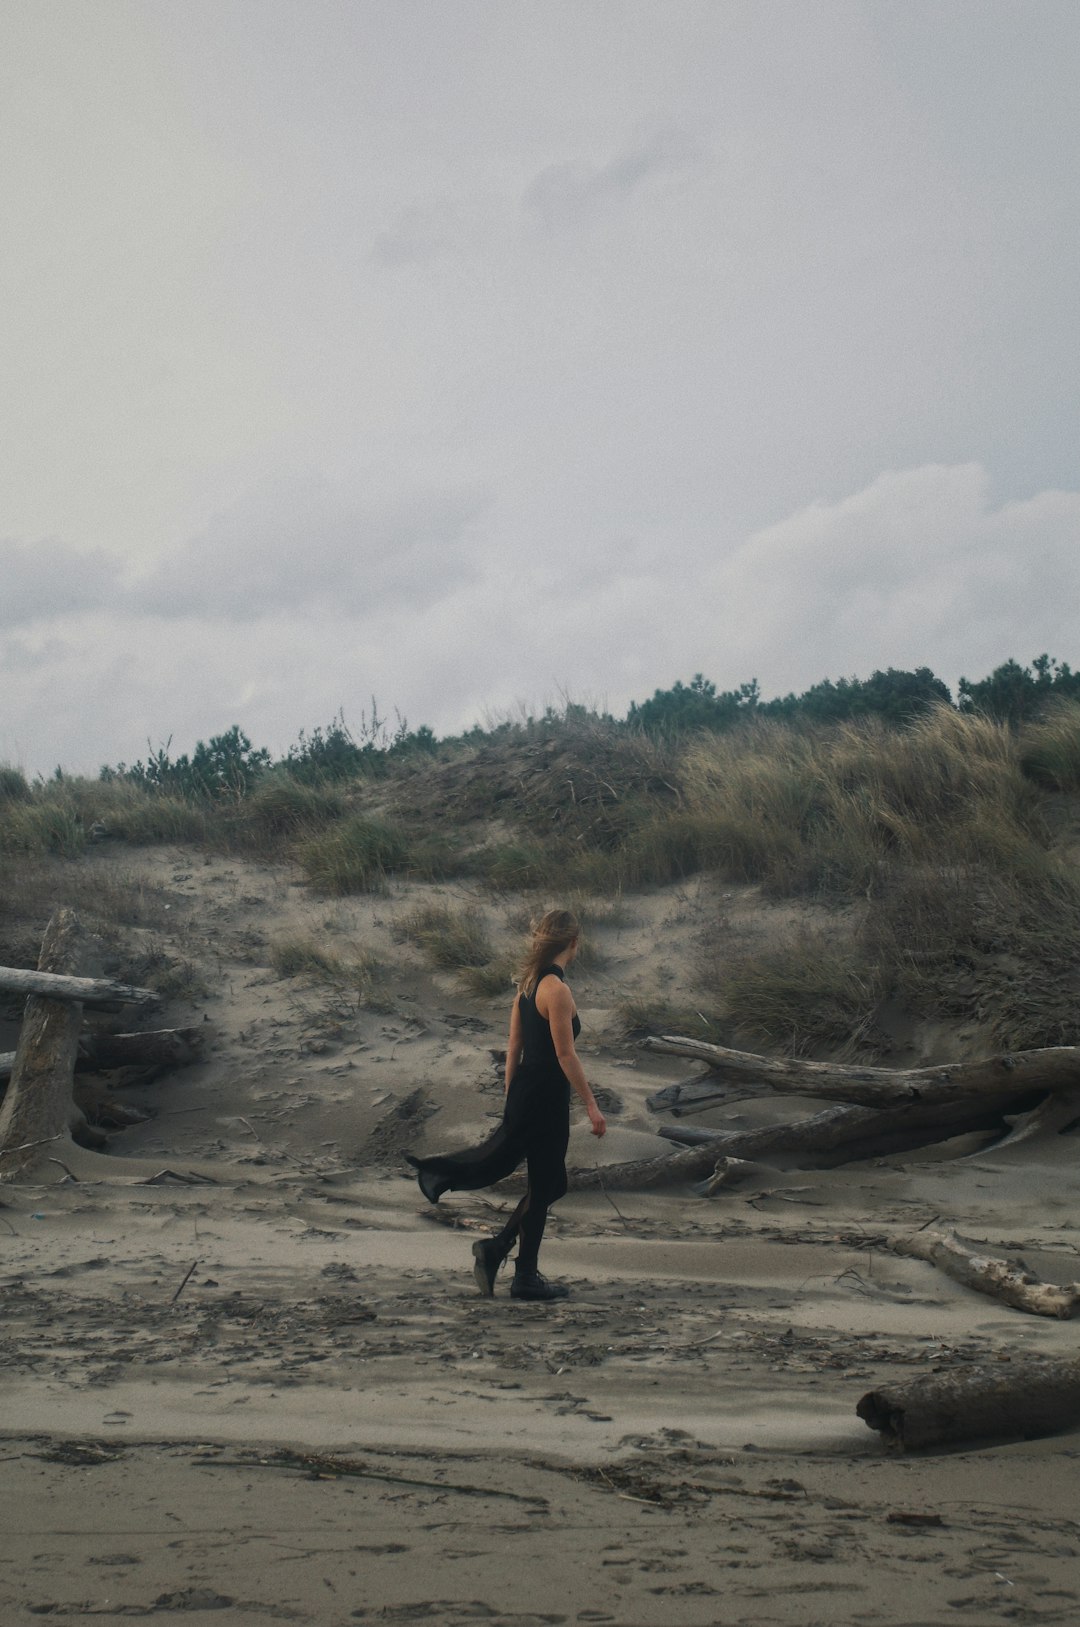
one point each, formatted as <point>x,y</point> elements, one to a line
<point>325,1423</point>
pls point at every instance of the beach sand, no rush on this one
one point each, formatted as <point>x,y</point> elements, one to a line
<point>246,1376</point>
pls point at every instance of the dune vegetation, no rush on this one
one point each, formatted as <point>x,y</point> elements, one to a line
<point>943,838</point>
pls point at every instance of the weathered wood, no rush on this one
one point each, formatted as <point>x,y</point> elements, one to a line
<point>1001,1279</point>
<point>1054,1115</point>
<point>103,1110</point>
<point>687,1135</point>
<point>91,991</point>
<point>1025,1397</point>
<point>838,1135</point>
<point>998,1078</point>
<point>155,1049</point>
<point>38,1106</point>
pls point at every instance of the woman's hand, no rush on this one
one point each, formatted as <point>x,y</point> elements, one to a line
<point>597,1120</point>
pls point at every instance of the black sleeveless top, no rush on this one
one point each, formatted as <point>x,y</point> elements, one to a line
<point>537,1045</point>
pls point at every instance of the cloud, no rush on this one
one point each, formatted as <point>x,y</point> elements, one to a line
<point>43,580</point>
<point>917,568</point>
<point>417,234</point>
<point>562,191</point>
<point>301,545</point>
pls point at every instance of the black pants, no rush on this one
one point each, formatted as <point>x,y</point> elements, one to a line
<point>535,1130</point>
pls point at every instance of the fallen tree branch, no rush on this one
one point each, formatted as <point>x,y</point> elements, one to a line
<point>1001,1279</point>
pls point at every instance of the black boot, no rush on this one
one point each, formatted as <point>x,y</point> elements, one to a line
<point>431,1185</point>
<point>488,1254</point>
<point>531,1285</point>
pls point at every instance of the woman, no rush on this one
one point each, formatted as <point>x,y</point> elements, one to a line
<point>542,1067</point>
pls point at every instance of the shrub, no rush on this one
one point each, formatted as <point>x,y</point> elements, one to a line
<point>280,809</point>
<point>13,786</point>
<point>807,994</point>
<point>1049,750</point>
<point>304,957</point>
<point>355,855</point>
<point>451,938</point>
<point>42,827</point>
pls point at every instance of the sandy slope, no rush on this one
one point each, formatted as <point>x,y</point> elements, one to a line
<point>329,1425</point>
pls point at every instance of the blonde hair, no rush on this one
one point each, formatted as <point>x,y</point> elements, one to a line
<point>553,933</point>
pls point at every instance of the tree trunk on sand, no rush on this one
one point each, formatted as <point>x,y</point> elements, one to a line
<point>38,1106</point>
<point>1001,1279</point>
<point>1017,1398</point>
<point>839,1135</point>
<point>90,991</point>
<point>152,1052</point>
<point>989,1080</point>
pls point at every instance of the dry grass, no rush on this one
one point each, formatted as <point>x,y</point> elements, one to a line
<point>355,856</point>
<point>655,1014</point>
<point>304,957</point>
<point>453,939</point>
<point>1050,748</point>
<point>809,994</point>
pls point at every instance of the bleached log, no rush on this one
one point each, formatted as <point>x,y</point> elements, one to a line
<point>1001,1279</point>
<point>38,1107</point>
<point>1028,1397</point>
<point>1042,1072</point>
<point>91,991</point>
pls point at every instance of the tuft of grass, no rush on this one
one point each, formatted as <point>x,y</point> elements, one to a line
<point>495,977</point>
<point>355,856</point>
<point>516,866</point>
<point>281,808</point>
<point>808,994</point>
<point>304,957</point>
<point>39,827</point>
<point>653,1014</point>
<point>13,784</point>
<point>1049,749</point>
<point>452,939</point>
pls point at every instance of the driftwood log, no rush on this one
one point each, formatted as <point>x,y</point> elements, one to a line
<point>994,1401</point>
<point>38,1106</point>
<point>838,1135</point>
<point>993,1079</point>
<point>153,1050</point>
<point>1001,1279</point>
<point>88,991</point>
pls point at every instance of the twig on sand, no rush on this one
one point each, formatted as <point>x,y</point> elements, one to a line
<point>608,1196</point>
<point>327,1468</point>
<point>183,1285</point>
<point>251,1127</point>
<point>45,1142</point>
<point>164,1175</point>
<point>69,1173</point>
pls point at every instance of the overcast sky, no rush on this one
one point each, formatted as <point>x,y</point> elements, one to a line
<point>474,353</point>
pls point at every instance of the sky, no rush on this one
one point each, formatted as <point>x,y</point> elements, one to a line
<point>476,356</point>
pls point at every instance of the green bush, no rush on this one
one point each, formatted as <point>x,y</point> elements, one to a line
<point>280,809</point>
<point>304,957</point>
<point>13,786</point>
<point>355,856</point>
<point>1050,749</point>
<point>451,938</point>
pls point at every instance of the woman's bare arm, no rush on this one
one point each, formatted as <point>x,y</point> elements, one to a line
<point>560,1015</point>
<point>513,1046</point>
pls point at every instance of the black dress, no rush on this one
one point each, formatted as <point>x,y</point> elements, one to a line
<point>535,1129</point>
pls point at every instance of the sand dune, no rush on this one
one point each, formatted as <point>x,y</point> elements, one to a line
<point>327,1424</point>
